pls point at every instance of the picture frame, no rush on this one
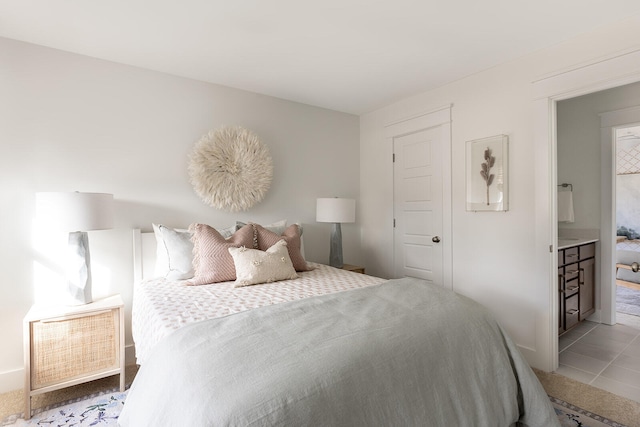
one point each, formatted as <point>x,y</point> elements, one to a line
<point>487,168</point>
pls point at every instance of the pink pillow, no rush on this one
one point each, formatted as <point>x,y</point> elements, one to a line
<point>291,235</point>
<point>212,261</point>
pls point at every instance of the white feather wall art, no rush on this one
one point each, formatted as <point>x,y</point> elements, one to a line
<point>230,168</point>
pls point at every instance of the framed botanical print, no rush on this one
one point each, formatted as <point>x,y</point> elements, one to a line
<point>488,174</point>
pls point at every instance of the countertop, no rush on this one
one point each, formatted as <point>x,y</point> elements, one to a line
<point>567,242</point>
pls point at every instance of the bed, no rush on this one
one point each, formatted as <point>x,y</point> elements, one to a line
<point>329,347</point>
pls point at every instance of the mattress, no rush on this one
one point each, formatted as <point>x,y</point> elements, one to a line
<point>401,353</point>
<point>161,307</point>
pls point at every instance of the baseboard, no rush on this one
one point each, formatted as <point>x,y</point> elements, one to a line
<point>11,380</point>
<point>14,380</point>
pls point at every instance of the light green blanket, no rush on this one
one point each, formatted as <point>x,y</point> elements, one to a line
<point>403,353</point>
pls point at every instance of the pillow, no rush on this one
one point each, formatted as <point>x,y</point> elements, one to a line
<point>291,235</point>
<point>254,266</point>
<point>174,251</point>
<point>277,227</point>
<point>212,261</point>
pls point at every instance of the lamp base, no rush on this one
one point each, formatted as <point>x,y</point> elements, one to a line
<point>335,250</point>
<point>78,269</point>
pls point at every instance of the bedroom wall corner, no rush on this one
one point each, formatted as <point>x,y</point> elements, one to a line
<point>74,123</point>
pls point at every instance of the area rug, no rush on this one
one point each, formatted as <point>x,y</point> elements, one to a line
<point>572,416</point>
<point>627,300</point>
<point>103,411</point>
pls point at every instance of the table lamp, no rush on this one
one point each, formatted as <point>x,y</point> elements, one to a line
<point>336,210</point>
<point>77,213</point>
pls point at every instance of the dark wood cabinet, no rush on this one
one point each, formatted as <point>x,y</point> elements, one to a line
<point>576,285</point>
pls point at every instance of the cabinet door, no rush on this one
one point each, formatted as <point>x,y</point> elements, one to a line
<point>572,313</point>
<point>587,288</point>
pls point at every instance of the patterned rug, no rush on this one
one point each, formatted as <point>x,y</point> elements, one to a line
<point>103,411</point>
<point>627,300</point>
<point>572,416</point>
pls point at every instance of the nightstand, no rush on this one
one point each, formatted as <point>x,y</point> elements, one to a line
<point>354,268</point>
<point>69,345</point>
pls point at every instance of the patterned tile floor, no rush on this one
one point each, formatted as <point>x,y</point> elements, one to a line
<point>604,356</point>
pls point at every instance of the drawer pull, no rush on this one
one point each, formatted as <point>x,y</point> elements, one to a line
<point>573,272</point>
<point>572,311</point>
<point>573,288</point>
<point>572,255</point>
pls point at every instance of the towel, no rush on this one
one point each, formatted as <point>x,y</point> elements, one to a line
<point>565,206</point>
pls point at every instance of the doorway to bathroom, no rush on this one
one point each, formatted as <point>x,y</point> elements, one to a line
<point>627,185</point>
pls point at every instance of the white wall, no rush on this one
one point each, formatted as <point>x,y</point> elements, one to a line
<point>494,254</point>
<point>69,122</point>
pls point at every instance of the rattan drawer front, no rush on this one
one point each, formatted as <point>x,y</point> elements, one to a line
<point>72,348</point>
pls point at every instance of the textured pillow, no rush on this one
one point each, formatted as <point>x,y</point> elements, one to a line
<point>291,235</point>
<point>174,251</point>
<point>254,266</point>
<point>212,261</point>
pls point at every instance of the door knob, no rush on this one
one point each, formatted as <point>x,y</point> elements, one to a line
<point>436,239</point>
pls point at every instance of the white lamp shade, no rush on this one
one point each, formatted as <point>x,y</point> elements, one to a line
<point>336,210</point>
<point>75,211</point>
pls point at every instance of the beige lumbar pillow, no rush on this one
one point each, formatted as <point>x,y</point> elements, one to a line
<point>254,266</point>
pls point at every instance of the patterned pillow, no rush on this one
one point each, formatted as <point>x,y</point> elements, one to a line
<point>212,261</point>
<point>254,266</point>
<point>291,235</point>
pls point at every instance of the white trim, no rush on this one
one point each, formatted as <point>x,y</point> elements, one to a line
<point>602,74</point>
<point>404,126</point>
<point>609,121</point>
<point>12,380</point>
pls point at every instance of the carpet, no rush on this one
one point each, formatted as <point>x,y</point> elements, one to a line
<point>627,300</point>
<point>103,411</point>
<point>572,416</point>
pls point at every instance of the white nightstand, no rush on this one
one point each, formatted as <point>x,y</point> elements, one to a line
<point>69,345</point>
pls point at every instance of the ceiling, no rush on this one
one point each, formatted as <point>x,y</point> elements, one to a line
<point>347,55</point>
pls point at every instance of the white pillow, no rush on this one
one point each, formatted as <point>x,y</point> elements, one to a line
<point>174,251</point>
<point>254,266</point>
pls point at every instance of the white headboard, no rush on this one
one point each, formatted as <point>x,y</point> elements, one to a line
<point>144,255</point>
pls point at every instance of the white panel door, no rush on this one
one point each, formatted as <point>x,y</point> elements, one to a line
<point>417,174</point>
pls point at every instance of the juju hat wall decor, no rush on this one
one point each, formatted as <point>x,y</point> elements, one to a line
<point>230,168</point>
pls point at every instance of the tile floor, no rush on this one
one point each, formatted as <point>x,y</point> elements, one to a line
<point>604,356</point>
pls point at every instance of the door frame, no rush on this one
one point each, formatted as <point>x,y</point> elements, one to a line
<point>441,118</point>
<point>604,73</point>
<point>609,122</point>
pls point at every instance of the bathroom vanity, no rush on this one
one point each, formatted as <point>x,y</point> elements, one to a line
<point>576,281</point>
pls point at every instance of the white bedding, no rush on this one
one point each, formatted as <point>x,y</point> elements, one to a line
<point>160,306</point>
